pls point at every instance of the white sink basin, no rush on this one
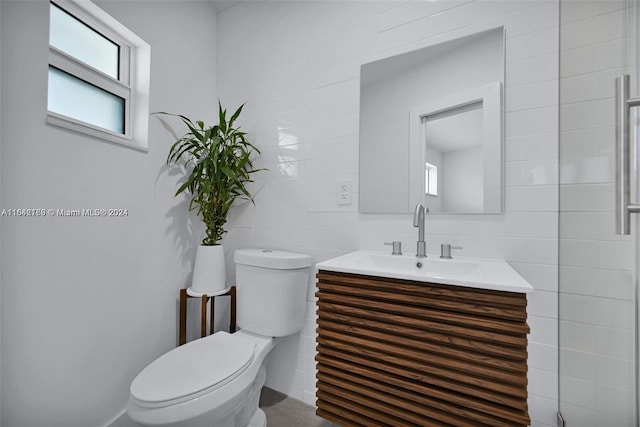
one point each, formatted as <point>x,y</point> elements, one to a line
<point>482,273</point>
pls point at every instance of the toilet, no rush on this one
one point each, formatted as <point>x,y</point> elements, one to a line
<point>216,381</point>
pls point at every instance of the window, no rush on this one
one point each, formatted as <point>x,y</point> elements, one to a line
<point>431,179</point>
<point>98,75</point>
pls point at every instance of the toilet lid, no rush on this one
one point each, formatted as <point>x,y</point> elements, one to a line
<point>192,369</point>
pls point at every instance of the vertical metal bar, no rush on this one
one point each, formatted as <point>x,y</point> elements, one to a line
<point>623,217</point>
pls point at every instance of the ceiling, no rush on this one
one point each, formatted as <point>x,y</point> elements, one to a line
<point>460,130</point>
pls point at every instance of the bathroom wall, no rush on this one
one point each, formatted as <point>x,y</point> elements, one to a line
<point>0,225</point>
<point>297,65</point>
<point>88,302</point>
<point>463,190</point>
<point>596,265</point>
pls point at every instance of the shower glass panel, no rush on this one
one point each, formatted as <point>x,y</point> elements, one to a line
<point>598,375</point>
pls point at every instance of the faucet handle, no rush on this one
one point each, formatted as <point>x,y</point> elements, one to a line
<point>445,250</point>
<point>397,247</point>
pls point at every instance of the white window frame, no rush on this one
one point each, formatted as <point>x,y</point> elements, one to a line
<point>431,179</point>
<point>132,84</point>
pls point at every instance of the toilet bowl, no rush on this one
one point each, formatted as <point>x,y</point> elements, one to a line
<point>216,381</point>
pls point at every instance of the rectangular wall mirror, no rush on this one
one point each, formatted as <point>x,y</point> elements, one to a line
<point>431,128</point>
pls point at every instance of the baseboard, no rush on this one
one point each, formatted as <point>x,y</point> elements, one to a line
<point>122,420</point>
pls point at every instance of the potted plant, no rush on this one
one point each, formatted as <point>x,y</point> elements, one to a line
<point>217,162</point>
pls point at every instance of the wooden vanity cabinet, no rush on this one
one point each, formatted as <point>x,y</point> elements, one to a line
<point>401,353</point>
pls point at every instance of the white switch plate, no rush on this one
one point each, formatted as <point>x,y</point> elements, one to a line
<point>344,192</point>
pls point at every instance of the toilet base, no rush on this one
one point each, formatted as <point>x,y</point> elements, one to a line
<point>251,415</point>
<point>259,419</point>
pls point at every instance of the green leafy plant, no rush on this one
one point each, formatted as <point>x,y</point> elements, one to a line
<point>218,163</point>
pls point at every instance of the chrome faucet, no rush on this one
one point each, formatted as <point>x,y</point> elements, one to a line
<point>418,221</point>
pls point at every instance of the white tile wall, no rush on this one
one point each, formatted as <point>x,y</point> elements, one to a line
<point>297,66</point>
<point>596,265</point>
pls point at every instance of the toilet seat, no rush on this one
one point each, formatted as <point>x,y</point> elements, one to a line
<point>192,370</point>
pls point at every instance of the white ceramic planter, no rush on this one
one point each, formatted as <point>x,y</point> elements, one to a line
<point>209,271</point>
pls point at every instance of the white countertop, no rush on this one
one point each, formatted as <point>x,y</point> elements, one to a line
<point>480,273</point>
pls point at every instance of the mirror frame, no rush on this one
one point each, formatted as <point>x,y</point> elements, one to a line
<point>493,143</point>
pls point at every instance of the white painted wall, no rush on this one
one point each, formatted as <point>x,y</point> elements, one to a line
<point>297,64</point>
<point>462,180</point>
<point>0,222</point>
<point>88,302</point>
<point>596,265</point>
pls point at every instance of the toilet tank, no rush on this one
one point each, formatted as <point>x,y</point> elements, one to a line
<point>271,289</point>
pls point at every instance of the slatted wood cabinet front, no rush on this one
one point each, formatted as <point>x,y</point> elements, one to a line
<point>401,353</point>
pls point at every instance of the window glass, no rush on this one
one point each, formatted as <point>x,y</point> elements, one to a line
<point>99,74</point>
<point>431,179</point>
<point>70,97</point>
<point>73,37</point>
